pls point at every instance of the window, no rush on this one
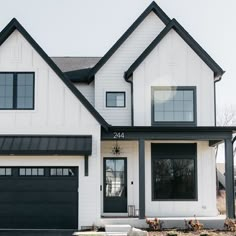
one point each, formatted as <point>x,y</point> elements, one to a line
<point>115,99</point>
<point>5,172</point>
<point>62,172</point>
<point>174,172</point>
<point>174,105</point>
<point>16,91</point>
<point>31,171</point>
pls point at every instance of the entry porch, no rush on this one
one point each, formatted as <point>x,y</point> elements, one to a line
<point>134,149</point>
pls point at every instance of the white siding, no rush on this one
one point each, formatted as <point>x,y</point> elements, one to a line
<point>57,111</point>
<point>173,63</point>
<point>206,203</point>
<point>87,90</point>
<point>111,76</point>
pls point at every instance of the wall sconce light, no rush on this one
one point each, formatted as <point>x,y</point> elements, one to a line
<point>116,149</point>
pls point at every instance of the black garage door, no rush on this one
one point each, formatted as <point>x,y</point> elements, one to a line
<point>39,198</point>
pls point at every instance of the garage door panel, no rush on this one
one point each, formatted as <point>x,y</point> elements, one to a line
<point>43,185</point>
<point>36,222</point>
<point>37,197</point>
<point>38,209</point>
<point>39,202</point>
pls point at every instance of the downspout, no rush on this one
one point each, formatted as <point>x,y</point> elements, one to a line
<point>215,81</point>
<point>132,98</point>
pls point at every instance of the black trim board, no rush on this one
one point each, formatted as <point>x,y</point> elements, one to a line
<point>173,24</point>
<point>205,133</point>
<point>152,7</point>
<point>15,25</point>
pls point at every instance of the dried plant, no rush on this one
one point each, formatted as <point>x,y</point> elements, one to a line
<point>154,224</point>
<point>230,225</point>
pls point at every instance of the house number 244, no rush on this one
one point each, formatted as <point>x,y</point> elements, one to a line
<point>118,135</point>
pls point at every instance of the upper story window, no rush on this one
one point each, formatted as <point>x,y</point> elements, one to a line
<point>16,90</point>
<point>115,99</point>
<point>175,105</point>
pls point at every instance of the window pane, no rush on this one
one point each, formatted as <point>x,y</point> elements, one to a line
<point>115,99</point>
<point>59,171</point>
<point>173,105</point>
<point>34,171</point>
<point>173,179</point>
<point>22,171</point>
<point>6,90</point>
<point>2,171</point>
<point>65,172</point>
<point>25,90</point>
<point>28,171</point>
<point>8,171</point>
<point>53,171</point>
<point>40,171</point>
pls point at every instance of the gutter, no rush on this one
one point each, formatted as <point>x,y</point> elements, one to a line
<point>132,98</point>
<point>215,81</point>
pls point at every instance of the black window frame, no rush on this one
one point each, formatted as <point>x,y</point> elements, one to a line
<point>122,92</point>
<point>14,106</point>
<point>186,157</point>
<point>174,123</point>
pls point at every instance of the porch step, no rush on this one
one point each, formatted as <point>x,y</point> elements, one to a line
<point>116,234</point>
<point>117,230</point>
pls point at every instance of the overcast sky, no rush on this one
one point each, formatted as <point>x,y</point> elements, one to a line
<point>91,27</point>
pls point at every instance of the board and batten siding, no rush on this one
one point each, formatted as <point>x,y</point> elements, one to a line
<point>111,76</point>
<point>87,90</point>
<point>57,111</point>
<point>173,63</point>
<point>206,189</point>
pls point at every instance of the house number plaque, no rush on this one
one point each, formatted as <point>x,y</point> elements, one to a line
<point>118,135</point>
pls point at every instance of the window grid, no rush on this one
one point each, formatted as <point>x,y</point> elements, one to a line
<point>5,171</point>
<point>31,171</point>
<point>16,90</point>
<point>171,104</point>
<point>70,172</point>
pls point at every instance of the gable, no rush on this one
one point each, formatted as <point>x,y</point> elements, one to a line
<point>174,25</point>
<point>153,7</point>
<point>15,25</point>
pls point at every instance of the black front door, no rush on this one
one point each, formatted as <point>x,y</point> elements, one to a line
<point>115,185</point>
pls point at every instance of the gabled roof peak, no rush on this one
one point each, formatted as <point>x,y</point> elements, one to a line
<point>152,7</point>
<point>15,25</point>
<point>174,24</point>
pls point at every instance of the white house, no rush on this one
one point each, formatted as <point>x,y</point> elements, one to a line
<point>83,139</point>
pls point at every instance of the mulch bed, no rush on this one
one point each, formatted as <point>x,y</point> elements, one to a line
<point>191,233</point>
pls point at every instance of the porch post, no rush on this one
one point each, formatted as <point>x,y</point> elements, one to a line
<point>229,178</point>
<point>141,179</point>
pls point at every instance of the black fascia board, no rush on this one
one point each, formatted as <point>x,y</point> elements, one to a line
<point>15,25</point>
<point>78,76</point>
<point>167,133</point>
<point>148,50</point>
<point>152,7</point>
<point>218,71</point>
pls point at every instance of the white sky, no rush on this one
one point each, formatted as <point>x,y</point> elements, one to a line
<point>91,27</point>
